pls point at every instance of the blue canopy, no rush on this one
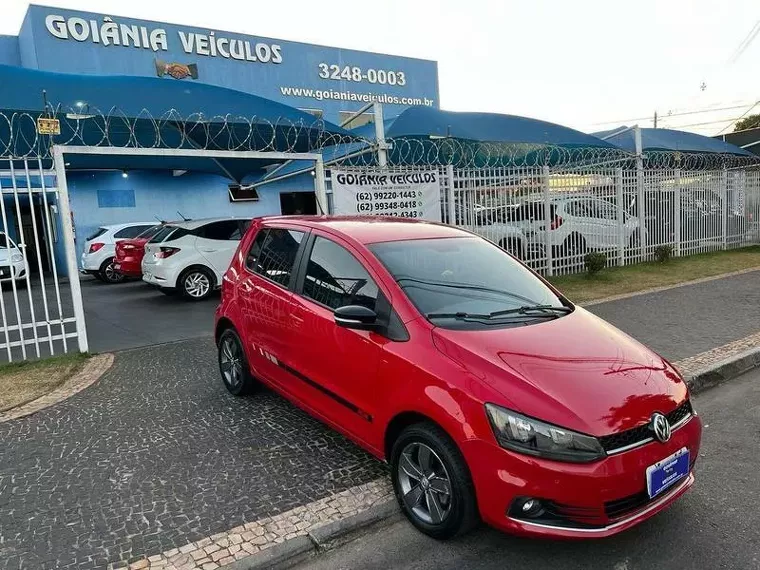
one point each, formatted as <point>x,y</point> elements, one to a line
<point>154,112</point>
<point>669,140</point>
<point>423,121</point>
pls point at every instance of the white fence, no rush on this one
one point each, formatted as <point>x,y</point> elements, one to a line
<point>37,306</point>
<point>552,217</point>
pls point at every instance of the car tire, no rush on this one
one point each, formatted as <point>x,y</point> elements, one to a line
<point>233,365</point>
<point>196,283</point>
<point>513,246</point>
<point>424,463</point>
<point>108,273</point>
<point>574,246</point>
<point>635,240</point>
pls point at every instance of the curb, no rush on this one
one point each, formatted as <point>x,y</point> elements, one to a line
<point>328,536</point>
<point>724,370</point>
<point>295,550</point>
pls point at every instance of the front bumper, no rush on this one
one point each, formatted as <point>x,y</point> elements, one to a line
<point>17,271</point>
<point>589,495</point>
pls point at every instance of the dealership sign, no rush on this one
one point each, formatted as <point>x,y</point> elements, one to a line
<point>381,193</point>
<point>110,33</point>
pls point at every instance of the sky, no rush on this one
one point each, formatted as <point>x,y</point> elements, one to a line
<point>587,64</point>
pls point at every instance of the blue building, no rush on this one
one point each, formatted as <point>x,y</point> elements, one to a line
<point>325,82</point>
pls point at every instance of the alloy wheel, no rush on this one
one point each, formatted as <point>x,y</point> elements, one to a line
<point>231,361</point>
<point>197,285</point>
<point>111,275</point>
<point>424,483</point>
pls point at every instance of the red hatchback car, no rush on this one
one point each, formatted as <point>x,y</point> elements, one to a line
<point>129,253</point>
<point>490,394</point>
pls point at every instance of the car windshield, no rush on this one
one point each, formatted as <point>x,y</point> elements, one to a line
<point>461,282</point>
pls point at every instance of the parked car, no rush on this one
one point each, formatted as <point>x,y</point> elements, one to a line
<point>99,253</point>
<point>579,223</point>
<point>490,394</point>
<point>191,257</point>
<point>13,264</point>
<point>130,252</point>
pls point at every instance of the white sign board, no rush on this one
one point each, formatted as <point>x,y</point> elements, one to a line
<point>378,193</point>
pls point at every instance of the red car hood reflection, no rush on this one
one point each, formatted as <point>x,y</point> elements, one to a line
<point>576,371</point>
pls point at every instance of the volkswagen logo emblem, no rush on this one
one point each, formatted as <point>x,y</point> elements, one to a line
<point>660,427</point>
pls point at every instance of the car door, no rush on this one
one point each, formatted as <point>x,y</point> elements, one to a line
<point>266,306</point>
<point>337,367</point>
<point>217,243</point>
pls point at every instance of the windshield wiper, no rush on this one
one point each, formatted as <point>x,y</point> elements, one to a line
<point>527,310</point>
<point>455,285</point>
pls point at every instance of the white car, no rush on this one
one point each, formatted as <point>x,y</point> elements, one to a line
<point>13,265</point>
<point>579,223</point>
<point>191,257</point>
<point>100,248</point>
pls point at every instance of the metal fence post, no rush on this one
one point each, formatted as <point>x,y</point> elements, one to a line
<point>620,215</point>
<point>640,192</point>
<point>724,207</point>
<point>382,146</point>
<point>68,242</point>
<point>547,222</point>
<point>320,187</point>
<point>677,213</point>
<point>451,195</point>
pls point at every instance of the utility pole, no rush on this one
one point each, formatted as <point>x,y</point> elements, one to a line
<point>655,119</point>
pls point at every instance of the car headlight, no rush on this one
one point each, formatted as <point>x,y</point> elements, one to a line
<point>16,257</point>
<point>533,437</point>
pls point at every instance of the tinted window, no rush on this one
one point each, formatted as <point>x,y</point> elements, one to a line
<point>273,254</point>
<point>577,209</point>
<point>150,232</point>
<point>221,231</point>
<point>99,232</point>
<point>4,242</point>
<point>161,235</point>
<point>467,275</point>
<point>131,232</point>
<point>335,278</point>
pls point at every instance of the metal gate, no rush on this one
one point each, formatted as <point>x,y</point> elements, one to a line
<point>40,300</point>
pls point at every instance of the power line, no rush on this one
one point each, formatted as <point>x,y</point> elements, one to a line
<point>663,117</point>
<point>745,43</point>
<point>747,112</point>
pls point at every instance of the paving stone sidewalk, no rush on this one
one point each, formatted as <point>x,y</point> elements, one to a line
<point>156,455</point>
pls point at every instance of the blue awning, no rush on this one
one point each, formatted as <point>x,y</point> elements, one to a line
<point>669,140</point>
<point>153,112</point>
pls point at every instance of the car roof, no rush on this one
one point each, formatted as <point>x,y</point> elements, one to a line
<point>111,227</point>
<point>374,229</point>
<point>194,224</point>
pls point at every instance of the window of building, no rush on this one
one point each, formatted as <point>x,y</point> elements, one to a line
<point>335,278</point>
<point>273,254</point>
<point>243,193</point>
<point>358,121</point>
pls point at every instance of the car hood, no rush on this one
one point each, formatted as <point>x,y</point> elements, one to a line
<point>576,371</point>
<point>5,254</point>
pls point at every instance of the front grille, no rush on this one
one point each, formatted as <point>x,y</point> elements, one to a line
<point>641,433</point>
<point>621,507</point>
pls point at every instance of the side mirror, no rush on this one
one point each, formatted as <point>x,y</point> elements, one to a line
<point>355,317</point>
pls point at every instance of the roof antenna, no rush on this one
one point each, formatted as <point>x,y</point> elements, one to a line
<point>183,217</point>
<point>160,221</point>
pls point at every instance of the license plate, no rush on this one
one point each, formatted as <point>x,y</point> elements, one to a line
<point>667,472</point>
<point>117,266</point>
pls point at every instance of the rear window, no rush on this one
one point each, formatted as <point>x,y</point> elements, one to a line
<point>150,232</point>
<point>4,242</point>
<point>99,232</point>
<point>162,234</point>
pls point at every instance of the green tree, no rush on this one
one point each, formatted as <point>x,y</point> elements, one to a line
<point>748,123</point>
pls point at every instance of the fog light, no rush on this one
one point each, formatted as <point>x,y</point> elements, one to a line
<point>529,505</point>
<point>527,508</point>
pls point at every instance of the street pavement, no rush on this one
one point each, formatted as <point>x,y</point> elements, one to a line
<point>714,526</point>
<point>157,454</point>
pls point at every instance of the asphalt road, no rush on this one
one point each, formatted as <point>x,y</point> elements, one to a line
<point>715,525</point>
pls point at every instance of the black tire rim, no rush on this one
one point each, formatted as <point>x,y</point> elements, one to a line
<point>197,284</point>
<point>424,483</point>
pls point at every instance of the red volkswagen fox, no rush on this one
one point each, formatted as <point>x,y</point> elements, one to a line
<point>489,393</point>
